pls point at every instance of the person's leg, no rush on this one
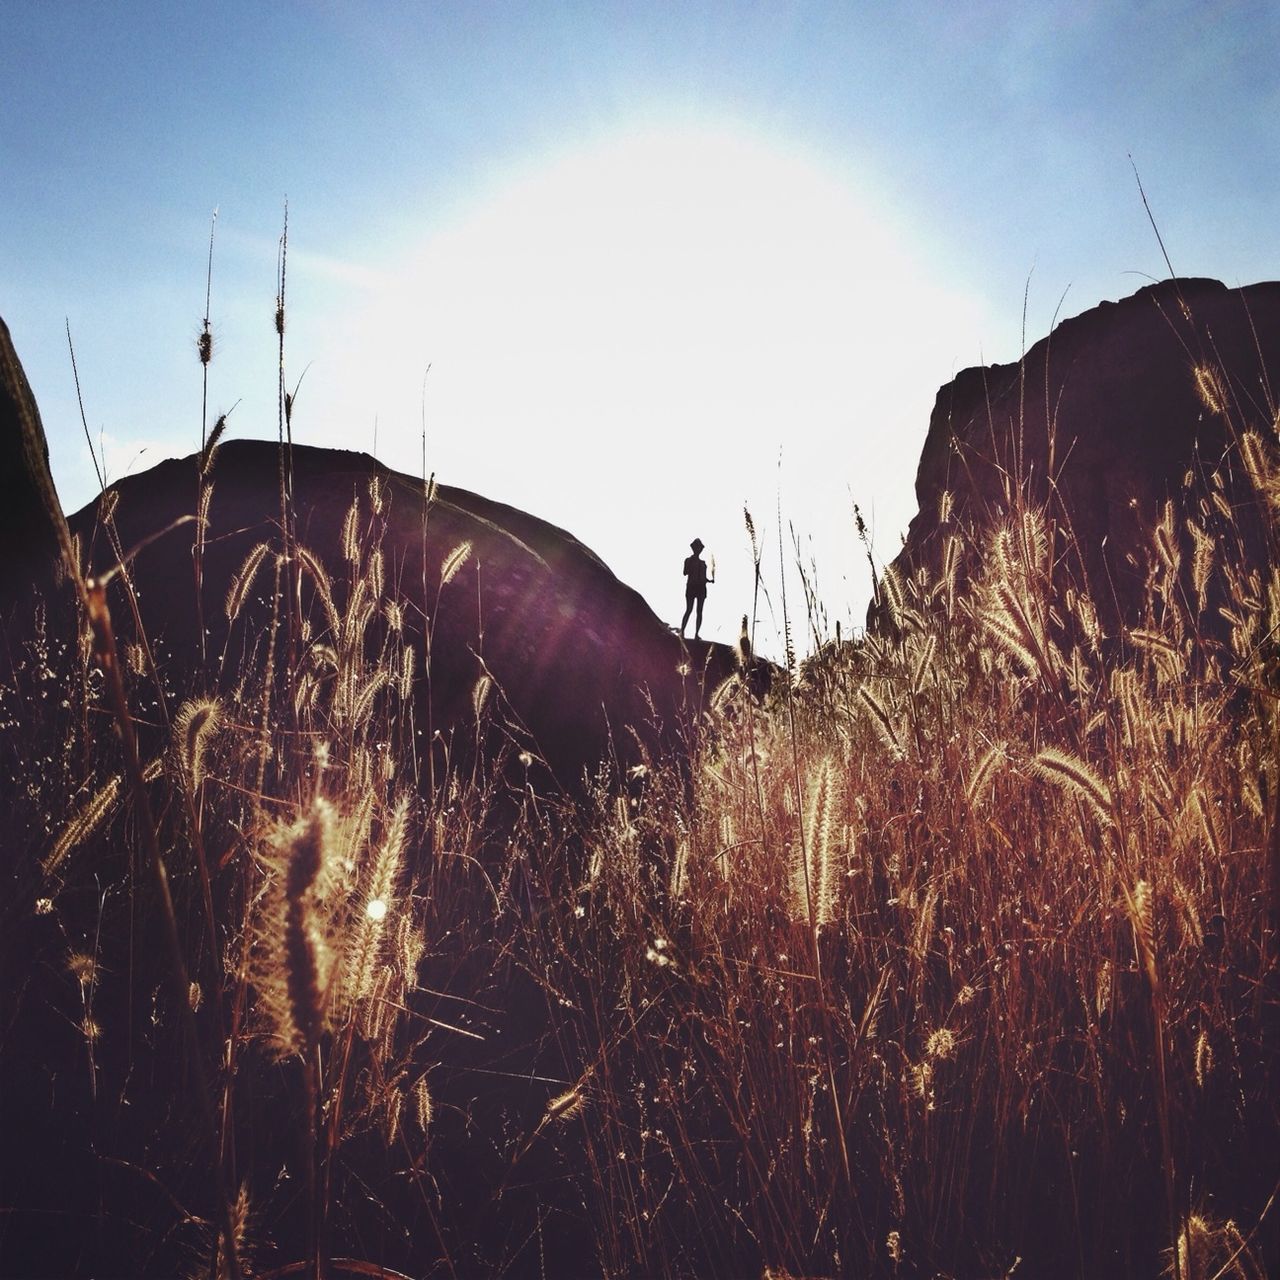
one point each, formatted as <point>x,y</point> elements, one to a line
<point>688,609</point>
<point>697,626</point>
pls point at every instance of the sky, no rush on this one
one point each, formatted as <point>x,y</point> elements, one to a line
<point>631,267</point>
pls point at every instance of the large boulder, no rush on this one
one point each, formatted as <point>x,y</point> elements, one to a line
<point>1102,422</point>
<point>576,668</point>
<point>581,669</point>
<point>26,518</point>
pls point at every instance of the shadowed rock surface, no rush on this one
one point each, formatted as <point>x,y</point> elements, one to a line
<point>26,530</point>
<point>581,667</point>
<point>1103,420</point>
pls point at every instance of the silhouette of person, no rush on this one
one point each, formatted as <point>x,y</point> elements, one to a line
<point>695,588</point>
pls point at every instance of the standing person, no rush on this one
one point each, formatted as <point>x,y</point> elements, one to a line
<point>695,588</point>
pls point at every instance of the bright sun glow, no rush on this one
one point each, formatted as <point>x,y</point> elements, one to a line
<point>377,909</point>
<point>628,340</point>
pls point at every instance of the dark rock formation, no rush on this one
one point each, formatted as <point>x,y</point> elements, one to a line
<point>580,664</point>
<point>1103,420</point>
<point>581,668</point>
<point>26,522</point>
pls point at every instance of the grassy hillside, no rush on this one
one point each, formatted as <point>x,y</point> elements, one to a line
<point>954,956</point>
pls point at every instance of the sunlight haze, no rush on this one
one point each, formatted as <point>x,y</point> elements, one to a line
<point>660,263</point>
<point>637,334</point>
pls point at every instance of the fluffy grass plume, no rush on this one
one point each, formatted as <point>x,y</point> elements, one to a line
<point>1070,773</point>
<point>295,954</point>
<point>193,727</point>
<point>85,822</point>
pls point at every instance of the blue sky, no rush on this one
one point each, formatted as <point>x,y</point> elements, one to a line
<point>648,250</point>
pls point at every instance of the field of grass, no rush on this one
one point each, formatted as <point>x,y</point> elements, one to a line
<point>953,956</point>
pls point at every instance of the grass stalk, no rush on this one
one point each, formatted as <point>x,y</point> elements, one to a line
<point>99,618</point>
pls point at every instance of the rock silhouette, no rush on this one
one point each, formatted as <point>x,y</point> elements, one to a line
<point>26,528</point>
<point>1104,420</point>
<point>577,659</point>
<point>581,667</point>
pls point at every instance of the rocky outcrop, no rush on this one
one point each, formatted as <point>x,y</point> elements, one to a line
<point>1104,420</point>
<point>26,491</point>
<point>578,668</point>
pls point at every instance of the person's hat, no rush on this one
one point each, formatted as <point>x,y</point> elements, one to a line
<point>696,544</point>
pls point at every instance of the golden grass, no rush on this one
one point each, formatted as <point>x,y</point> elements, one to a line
<point>953,952</point>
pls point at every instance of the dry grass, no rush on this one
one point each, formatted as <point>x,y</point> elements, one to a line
<point>955,953</point>
<point>1007,835</point>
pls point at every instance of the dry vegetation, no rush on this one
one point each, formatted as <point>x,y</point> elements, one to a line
<point>953,957</point>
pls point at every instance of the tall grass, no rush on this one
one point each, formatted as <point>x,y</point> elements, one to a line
<point>951,957</point>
